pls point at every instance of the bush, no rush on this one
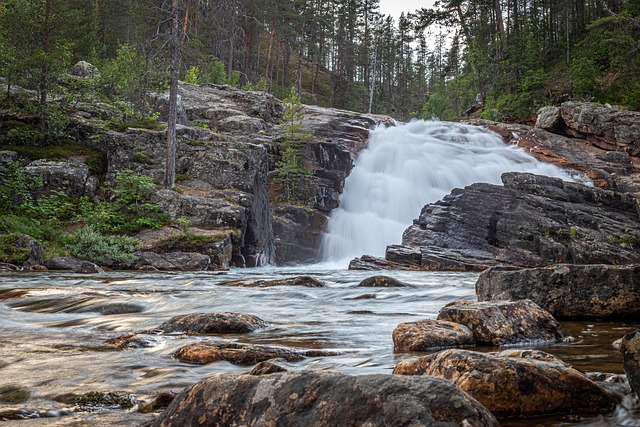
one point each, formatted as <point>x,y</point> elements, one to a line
<point>88,243</point>
<point>11,253</point>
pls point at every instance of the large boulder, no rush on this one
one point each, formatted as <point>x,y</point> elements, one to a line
<point>306,281</point>
<point>213,323</point>
<point>324,400</point>
<point>173,261</point>
<point>531,221</point>
<point>71,178</point>
<point>630,349</point>
<point>425,335</point>
<point>382,282</point>
<point>504,322</point>
<point>568,291</point>
<point>514,386</point>
<point>242,354</point>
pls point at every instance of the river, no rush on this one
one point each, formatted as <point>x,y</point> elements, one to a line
<point>53,327</point>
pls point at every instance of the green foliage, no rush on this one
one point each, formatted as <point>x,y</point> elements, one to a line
<point>192,76</point>
<point>289,168</point>
<point>15,190</point>
<point>88,243</point>
<point>9,252</point>
<point>583,77</point>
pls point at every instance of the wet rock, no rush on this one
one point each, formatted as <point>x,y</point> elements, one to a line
<point>382,282</point>
<point>5,266</point>
<point>306,281</point>
<point>364,296</point>
<point>174,261</point>
<point>97,400</point>
<point>267,367</point>
<point>630,349</point>
<point>14,394</point>
<point>504,322</point>
<point>64,263</point>
<point>531,221</point>
<point>213,323</point>
<point>160,401</point>
<point>424,335</point>
<point>369,263</point>
<point>88,267</point>
<point>514,387</point>
<point>242,354</point>
<point>131,341</point>
<point>324,400</point>
<point>568,291</point>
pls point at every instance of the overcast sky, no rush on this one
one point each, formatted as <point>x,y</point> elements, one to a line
<point>396,7</point>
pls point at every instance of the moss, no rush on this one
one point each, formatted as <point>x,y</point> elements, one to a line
<point>190,242</point>
<point>141,158</point>
<point>195,143</point>
<point>11,253</point>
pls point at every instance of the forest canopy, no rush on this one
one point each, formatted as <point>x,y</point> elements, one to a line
<point>513,55</point>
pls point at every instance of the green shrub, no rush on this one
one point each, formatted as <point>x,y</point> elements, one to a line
<point>11,253</point>
<point>88,243</point>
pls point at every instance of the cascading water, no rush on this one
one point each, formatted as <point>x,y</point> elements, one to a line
<point>407,166</point>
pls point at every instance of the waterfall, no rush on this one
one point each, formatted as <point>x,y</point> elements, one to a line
<point>407,166</point>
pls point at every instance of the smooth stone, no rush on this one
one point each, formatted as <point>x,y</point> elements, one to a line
<point>382,282</point>
<point>424,335</point>
<point>213,323</point>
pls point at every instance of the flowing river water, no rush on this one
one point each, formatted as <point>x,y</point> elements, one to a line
<point>53,327</point>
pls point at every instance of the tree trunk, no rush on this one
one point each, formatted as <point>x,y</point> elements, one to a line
<point>170,173</point>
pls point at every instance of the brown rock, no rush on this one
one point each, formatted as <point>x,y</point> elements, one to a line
<point>213,323</point>
<point>630,349</point>
<point>514,387</point>
<point>382,282</point>
<point>267,367</point>
<point>242,354</point>
<point>504,322</point>
<point>324,400</point>
<point>424,335</point>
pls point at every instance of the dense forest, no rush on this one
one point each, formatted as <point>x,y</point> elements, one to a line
<point>512,55</point>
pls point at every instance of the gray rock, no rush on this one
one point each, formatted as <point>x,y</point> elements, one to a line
<point>512,386</point>
<point>324,400</point>
<point>568,291</point>
<point>529,222</point>
<point>72,178</point>
<point>88,267</point>
<point>7,158</point>
<point>550,119</point>
<point>162,108</point>
<point>306,281</point>
<point>64,263</point>
<point>425,335</point>
<point>174,261</point>
<point>504,322</point>
<point>85,69</point>
<point>630,349</point>
<point>213,323</point>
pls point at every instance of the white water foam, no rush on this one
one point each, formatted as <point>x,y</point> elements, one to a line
<point>407,166</point>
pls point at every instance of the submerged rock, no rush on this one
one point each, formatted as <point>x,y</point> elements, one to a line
<point>267,367</point>
<point>382,282</point>
<point>131,341</point>
<point>97,400</point>
<point>568,291</point>
<point>513,386</point>
<point>504,322</point>
<point>324,400</point>
<point>242,354</point>
<point>424,335</point>
<point>630,349</point>
<point>14,394</point>
<point>306,281</point>
<point>213,323</point>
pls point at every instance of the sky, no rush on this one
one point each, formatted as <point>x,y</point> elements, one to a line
<point>396,7</point>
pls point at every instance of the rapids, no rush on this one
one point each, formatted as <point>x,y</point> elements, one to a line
<point>407,166</point>
<point>53,327</point>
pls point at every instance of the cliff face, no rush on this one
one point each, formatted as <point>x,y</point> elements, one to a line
<point>225,161</point>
